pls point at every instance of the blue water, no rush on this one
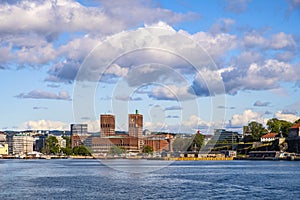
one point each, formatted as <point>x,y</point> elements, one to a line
<point>91,179</point>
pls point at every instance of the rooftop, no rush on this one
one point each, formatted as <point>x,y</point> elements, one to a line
<point>270,135</point>
<point>296,126</point>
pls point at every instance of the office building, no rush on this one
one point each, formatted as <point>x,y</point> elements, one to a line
<point>107,125</point>
<point>79,129</point>
<point>22,144</point>
<point>223,136</point>
<point>135,128</point>
<point>79,132</point>
<point>135,125</point>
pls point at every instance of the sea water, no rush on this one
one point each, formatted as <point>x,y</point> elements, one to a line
<point>148,179</point>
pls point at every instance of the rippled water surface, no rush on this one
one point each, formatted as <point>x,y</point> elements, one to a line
<point>145,179</point>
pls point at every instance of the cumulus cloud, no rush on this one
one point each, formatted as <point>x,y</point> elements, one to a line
<point>216,45</point>
<point>254,39</point>
<point>205,83</point>
<point>45,125</point>
<point>93,125</point>
<point>276,41</point>
<point>246,117</point>
<point>195,121</point>
<point>64,71</point>
<point>171,92</point>
<point>282,41</point>
<point>286,116</point>
<point>285,56</point>
<point>30,41</point>
<point>117,70</point>
<point>40,94</point>
<point>245,59</point>
<point>68,15</point>
<point>157,126</point>
<point>262,76</point>
<point>152,45</point>
<point>36,41</point>
<point>261,104</point>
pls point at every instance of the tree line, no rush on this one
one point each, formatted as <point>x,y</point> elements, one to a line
<point>52,147</point>
<point>274,125</point>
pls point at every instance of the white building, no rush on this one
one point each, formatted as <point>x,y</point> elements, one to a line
<point>22,144</point>
<point>269,137</point>
<point>61,142</point>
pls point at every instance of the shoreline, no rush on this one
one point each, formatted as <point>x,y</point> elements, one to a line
<point>161,159</point>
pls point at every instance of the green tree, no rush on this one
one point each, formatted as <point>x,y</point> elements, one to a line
<point>81,151</point>
<point>297,121</point>
<point>51,145</point>
<point>257,130</point>
<point>67,151</point>
<point>115,150</point>
<point>147,149</point>
<point>279,126</point>
<point>273,125</point>
<point>68,141</point>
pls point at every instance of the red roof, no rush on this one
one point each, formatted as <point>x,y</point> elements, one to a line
<point>296,126</point>
<point>270,135</point>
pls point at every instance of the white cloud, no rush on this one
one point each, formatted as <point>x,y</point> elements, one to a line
<point>246,117</point>
<point>45,125</point>
<point>40,94</point>
<point>48,17</point>
<point>254,39</point>
<point>287,117</point>
<point>194,122</point>
<point>172,92</point>
<point>117,70</point>
<point>246,58</point>
<point>156,126</point>
<point>55,16</point>
<point>282,40</point>
<point>277,41</point>
<point>93,125</point>
<point>260,76</point>
<point>216,45</point>
<point>206,83</point>
<point>43,22</point>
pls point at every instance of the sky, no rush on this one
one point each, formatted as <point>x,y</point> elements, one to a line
<point>185,65</point>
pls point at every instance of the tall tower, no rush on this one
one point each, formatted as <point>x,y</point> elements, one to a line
<point>135,127</point>
<point>107,125</point>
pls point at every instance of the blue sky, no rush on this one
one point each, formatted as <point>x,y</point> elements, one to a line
<point>185,65</point>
